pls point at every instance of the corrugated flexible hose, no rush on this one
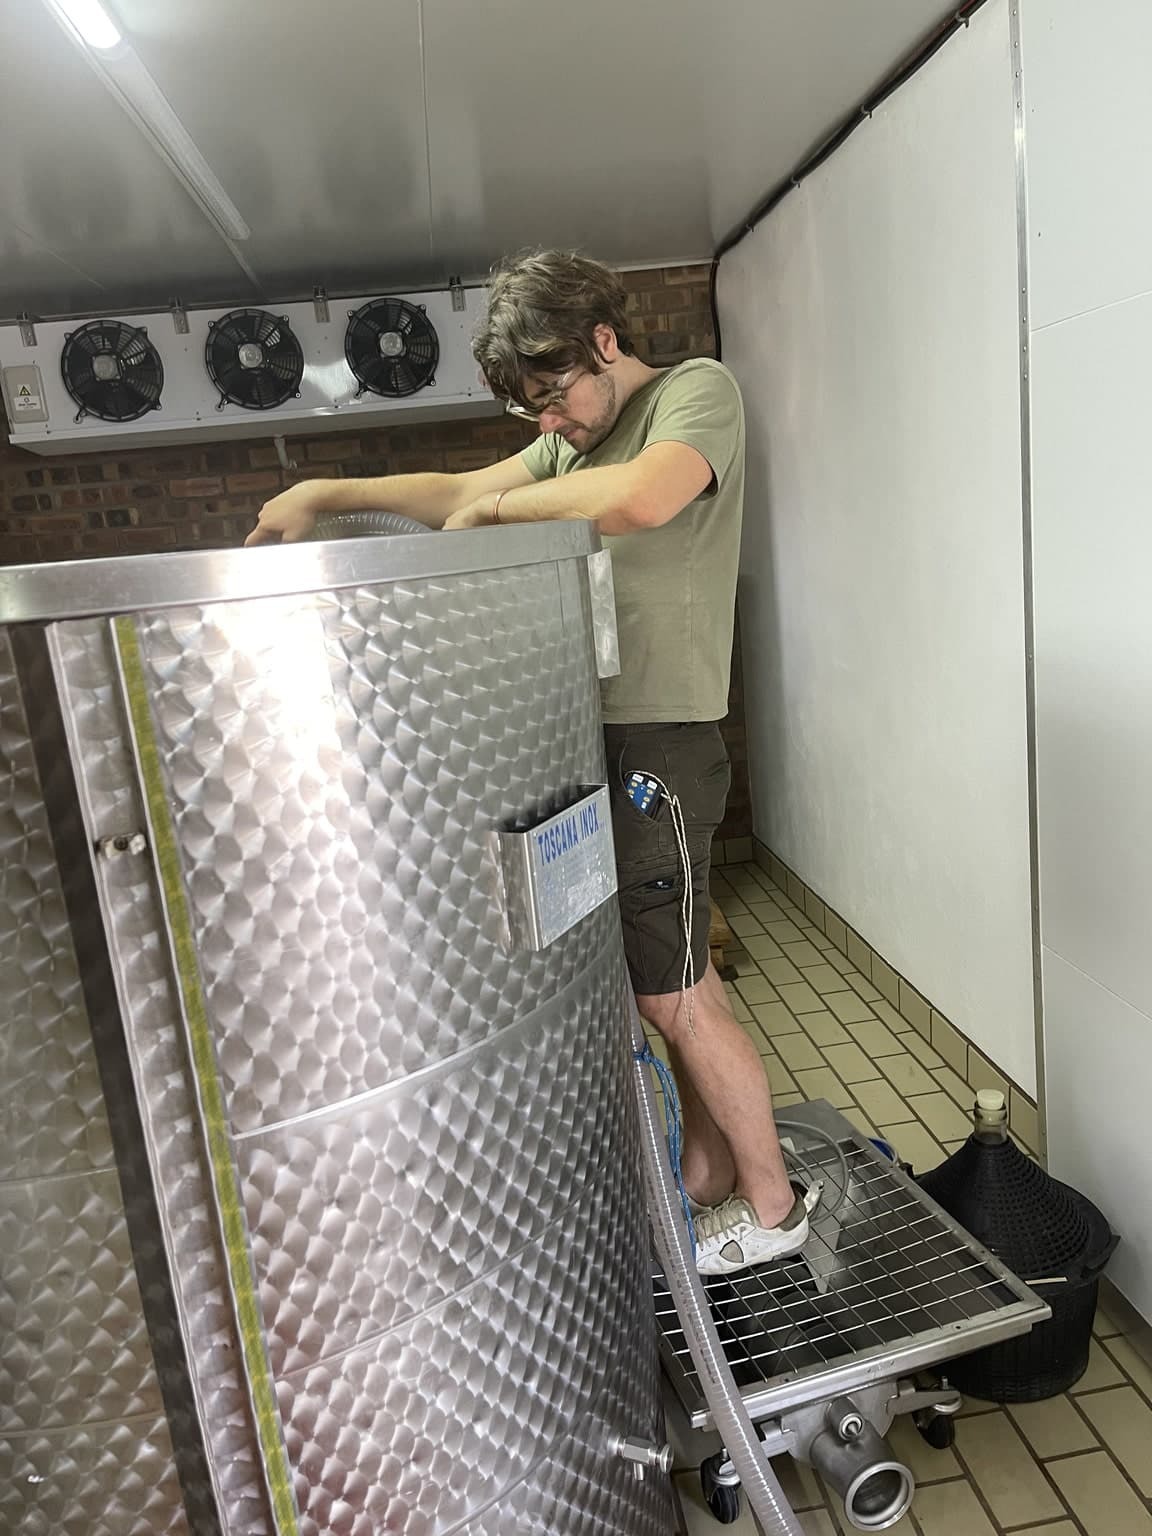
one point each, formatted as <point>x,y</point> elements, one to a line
<point>760,1483</point>
<point>353,525</point>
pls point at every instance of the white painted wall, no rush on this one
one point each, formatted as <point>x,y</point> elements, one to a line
<point>873,323</point>
<point>1088,147</point>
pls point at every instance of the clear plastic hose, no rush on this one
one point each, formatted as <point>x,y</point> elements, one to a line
<point>729,1414</point>
<point>353,525</point>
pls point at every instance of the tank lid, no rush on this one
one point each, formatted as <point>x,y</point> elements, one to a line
<point>990,1101</point>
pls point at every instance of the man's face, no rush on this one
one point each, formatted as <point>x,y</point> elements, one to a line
<point>581,406</point>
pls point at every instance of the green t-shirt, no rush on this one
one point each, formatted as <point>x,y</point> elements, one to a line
<point>675,585</point>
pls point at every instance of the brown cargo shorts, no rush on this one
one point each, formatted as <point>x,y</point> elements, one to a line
<point>693,762</point>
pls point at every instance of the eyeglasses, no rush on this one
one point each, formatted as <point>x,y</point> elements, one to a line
<point>554,400</point>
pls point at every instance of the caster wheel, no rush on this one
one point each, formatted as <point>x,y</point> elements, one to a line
<point>723,1501</point>
<point>939,1431</point>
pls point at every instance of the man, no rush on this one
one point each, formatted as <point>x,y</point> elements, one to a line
<point>656,458</point>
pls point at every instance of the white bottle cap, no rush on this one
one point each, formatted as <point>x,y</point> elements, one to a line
<point>990,1100</point>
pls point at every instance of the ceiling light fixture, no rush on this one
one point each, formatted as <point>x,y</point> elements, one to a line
<point>89,21</point>
<point>125,76</point>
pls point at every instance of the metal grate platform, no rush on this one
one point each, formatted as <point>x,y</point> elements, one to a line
<point>887,1285</point>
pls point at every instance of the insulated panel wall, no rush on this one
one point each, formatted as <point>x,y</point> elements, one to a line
<point>872,321</point>
<point>1090,257</point>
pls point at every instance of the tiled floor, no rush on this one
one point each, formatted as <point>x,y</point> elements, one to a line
<point>1081,1463</point>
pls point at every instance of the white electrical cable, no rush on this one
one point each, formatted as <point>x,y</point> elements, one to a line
<point>687,909</point>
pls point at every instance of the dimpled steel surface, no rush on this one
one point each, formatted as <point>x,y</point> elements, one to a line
<point>436,1137</point>
<point>86,675</point>
<point>84,1449</point>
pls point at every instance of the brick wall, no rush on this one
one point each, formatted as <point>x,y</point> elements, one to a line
<point>207,495</point>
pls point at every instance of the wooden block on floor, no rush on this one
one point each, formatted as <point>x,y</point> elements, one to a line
<point>719,935</point>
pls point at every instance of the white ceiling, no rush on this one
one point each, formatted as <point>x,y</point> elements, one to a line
<point>376,144</point>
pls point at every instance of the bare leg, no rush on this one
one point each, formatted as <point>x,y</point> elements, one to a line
<point>707,1166</point>
<point>719,1068</point>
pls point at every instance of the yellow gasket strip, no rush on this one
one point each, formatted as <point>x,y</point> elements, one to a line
<point>225,1178</point>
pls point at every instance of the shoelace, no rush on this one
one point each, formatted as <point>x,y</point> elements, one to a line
<point>726,1217</point>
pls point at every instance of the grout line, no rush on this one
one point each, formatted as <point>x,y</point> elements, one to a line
<point>1104,1446</point>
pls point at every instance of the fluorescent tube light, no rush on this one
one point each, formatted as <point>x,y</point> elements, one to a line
<point>89,21</point>
<point>126,77</point>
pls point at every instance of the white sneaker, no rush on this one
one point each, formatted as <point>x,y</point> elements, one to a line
<point>729,1238</point>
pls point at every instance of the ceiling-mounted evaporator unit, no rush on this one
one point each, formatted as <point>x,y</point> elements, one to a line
<point>242,372</point>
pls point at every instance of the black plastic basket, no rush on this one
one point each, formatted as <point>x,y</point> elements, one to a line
<point>1054,1356</point>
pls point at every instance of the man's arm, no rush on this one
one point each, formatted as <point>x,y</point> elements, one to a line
<point>430,499</point>
<point>623,498</point>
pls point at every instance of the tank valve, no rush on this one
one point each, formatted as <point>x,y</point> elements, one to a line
<point>643,1454</point>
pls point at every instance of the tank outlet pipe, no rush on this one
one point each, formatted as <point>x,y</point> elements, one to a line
<point>854,1459</point>
<point>742,1443</point>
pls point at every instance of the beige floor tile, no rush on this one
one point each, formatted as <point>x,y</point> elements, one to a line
<point>698,1517</point>
<point>801,998</point>
<point>849,1007</point>
<point>744,925</point>
<point>786,1100</point>
<point>953,1146</point>
<point>783,930</point>
<point>817,1522</point>
<point>824,1030</point>
<point>882,1104</point>
<point>1061,1528</point>
<point>860,1120</point>
<point>925,1464</point>
<point>836,930</point>
<point>850,1063</point>
<point>913,1145</point>
<point>915,1009</point>
<point>950,1509</point>
<point>875,1037</point>
<point>1001,1466</point>
<point>800,1484</point>
<point>896,1022</point>
<point>1102,1371</point>
<point>950,1043</point>
<point>971,1406</point>
<point>739,1007</point>
<point>1103,1326</point>
<point>729,902</point>
<point>946,1120</point>
<point>955,1087</point>
<point>860,954</point>
<point>1123,1420</point>
<point>798,1051</point>
<point>906,1075</point>
<point>887,980</point>
<point>774,1020</point>
<point>860,983</point>
<point>779,1077</point>
<point>1024,1121</point>
<point>923,1052</point>
<point>803,953</point>
<point>761,946</point>
<point>743,964</point>
<point>822,1083</point>
<point>756,989</point>
<point>1099,1497</point>
<point>982,1074</point>
<point>841,962</point>
<point>842,1527</point>
<point>781,973</point>
<point>825,978</point>
<point>1134,1366</point>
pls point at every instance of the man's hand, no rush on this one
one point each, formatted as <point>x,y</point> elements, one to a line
<point>292,515</point>
<point>477,514</point>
